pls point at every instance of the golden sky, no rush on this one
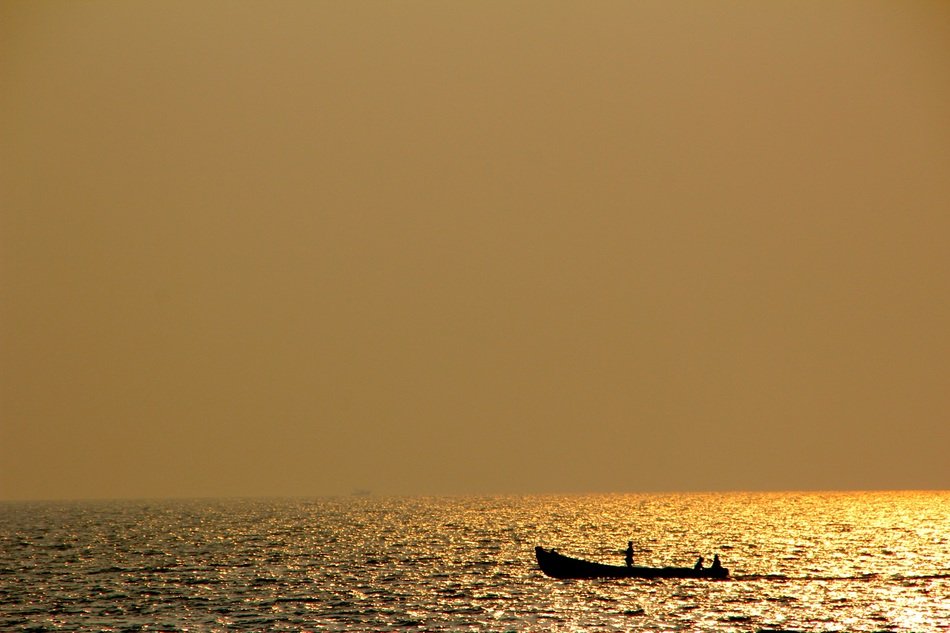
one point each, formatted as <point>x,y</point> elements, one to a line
<point>299,248</point>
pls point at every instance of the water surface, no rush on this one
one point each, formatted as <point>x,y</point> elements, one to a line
<point>808,562</point>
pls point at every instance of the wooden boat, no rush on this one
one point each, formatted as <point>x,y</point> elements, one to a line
<point>560,566</point>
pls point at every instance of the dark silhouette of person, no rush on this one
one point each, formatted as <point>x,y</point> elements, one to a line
<point>629,554</point>
<point>716,564</point>
<point>699,563</point>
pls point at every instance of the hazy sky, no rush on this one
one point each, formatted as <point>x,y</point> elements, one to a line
<point>299,248</point>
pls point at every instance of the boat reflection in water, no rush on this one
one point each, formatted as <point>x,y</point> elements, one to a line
<point>559,566</point>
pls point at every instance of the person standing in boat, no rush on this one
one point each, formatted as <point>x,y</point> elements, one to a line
<point>629,554</point>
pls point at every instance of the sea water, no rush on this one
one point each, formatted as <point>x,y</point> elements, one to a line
<point>805,562</point>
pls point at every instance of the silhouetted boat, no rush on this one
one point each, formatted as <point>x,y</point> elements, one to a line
<point>560,566</point>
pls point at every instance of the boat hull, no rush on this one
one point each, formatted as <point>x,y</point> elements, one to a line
<point>560,566</point>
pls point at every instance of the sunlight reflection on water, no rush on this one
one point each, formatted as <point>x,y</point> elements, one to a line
<point>815,562</point>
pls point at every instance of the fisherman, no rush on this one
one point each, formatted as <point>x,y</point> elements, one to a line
<point>699,563</point>
<point>629,554</point>
<point>716,564</point>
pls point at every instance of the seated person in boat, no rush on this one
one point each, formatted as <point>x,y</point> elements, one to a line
<point>716,564</point>
<point>699,563</point>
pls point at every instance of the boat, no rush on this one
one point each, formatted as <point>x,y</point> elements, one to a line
<point>558,565</point>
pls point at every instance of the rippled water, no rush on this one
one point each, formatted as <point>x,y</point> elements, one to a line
<point>810,562</point>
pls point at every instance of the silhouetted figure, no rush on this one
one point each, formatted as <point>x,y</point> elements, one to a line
<point>699,563</point>
<point>629,554</point>
<point>716,564</point>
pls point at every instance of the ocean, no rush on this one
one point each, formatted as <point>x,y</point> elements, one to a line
<point>872,561</point>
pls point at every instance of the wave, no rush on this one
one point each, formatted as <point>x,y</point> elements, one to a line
<point>861,577</point>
